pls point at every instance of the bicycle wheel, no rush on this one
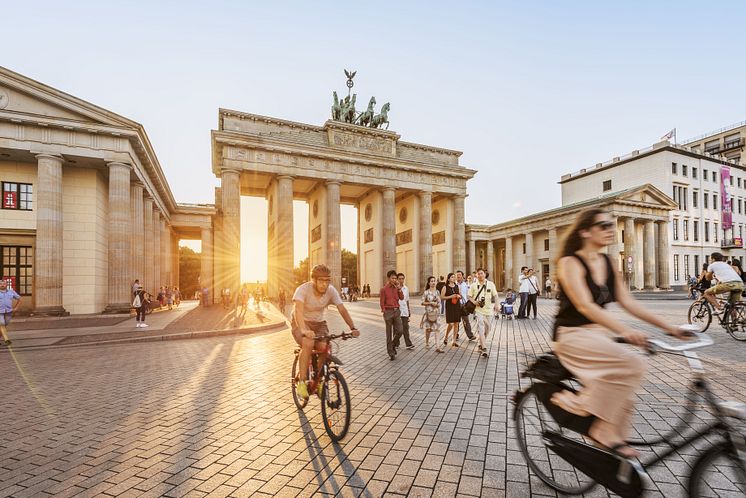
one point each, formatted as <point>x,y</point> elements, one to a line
<point>718,472</point>
<point>532,420</point>
<point>700,315</point>
<point>735,321</point>
<point>335,406</point>
<point>299,402</point>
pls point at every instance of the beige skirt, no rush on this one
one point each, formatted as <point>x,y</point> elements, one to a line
<point>611,373</point>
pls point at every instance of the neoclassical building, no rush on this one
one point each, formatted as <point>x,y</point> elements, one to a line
<point>86,208</point>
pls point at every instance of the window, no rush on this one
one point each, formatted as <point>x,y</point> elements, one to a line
<point>694,172</point>
<point>676,267</point>
<point>695,195</point>
<point>739,206</point>
<point>714,176</point>
<point>696,265</point>
<point>686,229</point>
<point>705,174</point>
<point>546,244</point>
<point>524,248</point>
<point>686,266</point>
<point>17,264</point>
<point>17,196</point>
<point>731,181</point>
<point>683,169</point>
<point>715,202</point>
<point>675,229</point>
<point>707,232</point>
<point>715,233</point>
<point>738,182</point>
<point>607,185</point>
<point>705,199</point>
<point>740,231</point>
<point>673,168</point>
<point>695,230</point>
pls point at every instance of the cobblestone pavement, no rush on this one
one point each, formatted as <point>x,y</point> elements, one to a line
<point>215,416</point>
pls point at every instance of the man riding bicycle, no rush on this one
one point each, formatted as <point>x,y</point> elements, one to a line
<point>728,281</point>
<point>308,323</point>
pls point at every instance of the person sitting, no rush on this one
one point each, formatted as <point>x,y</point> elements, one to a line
<point>729,281</point>
<point>584,335</point>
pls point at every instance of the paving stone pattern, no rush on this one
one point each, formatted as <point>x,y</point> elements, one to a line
<point>215,417</point>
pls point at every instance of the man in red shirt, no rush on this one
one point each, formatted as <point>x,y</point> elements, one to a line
<point>391,294</point>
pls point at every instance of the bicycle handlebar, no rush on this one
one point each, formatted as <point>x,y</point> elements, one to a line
<point>342,335</point>
<point>653,344</point>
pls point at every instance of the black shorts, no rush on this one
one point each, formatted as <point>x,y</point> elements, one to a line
<point>319,328</point>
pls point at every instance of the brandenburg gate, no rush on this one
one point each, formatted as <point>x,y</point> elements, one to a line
<point>409,197</point>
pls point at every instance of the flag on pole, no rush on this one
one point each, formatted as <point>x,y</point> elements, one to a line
<point>669,135</point>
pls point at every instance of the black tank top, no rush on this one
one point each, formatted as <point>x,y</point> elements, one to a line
<point>568,315</point>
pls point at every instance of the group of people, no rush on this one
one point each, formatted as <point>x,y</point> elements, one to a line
<point>707,279</point>
<point>142,301</point>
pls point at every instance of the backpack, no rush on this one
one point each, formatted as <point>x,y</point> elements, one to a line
<point>137,301</point>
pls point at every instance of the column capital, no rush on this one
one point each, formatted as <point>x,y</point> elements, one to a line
<point>117,164</point>
<point>425,193</point>
<point>388,189</point>
<point>332,182</point>
<point>225,170</point>
<point>48,155</point>
<point>285,177</point>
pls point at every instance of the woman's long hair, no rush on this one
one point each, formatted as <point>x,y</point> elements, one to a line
<point>448,278</point>
<point>573,242</point>
<point>427,284</point>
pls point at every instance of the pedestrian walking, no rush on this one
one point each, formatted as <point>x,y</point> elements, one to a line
<point>463,287</point>
<point>282,301</point>
<point>533,292</point>
<point>177,296</point>
<point>140,303</point>
<point>169,297</point>
<point>135,286</point>
<point>452,297</point>
<point>484,295</point>
<point>404,312</point>
<point>205,296</point>
<point>431,319</point>
<point>390,296</point>
<point>441,284</point>
<point>9,303</point>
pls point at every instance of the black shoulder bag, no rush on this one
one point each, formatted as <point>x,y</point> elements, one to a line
<point>470,306</point>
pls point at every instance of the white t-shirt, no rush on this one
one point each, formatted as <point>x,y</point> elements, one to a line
<point>723,272</point>
<point>314,305</point>
<point>403,303</point>
<point>526,284</point>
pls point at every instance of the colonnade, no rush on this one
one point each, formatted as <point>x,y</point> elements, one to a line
<point>140,243</point>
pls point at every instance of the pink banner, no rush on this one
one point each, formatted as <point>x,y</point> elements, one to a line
<point>726,202</point>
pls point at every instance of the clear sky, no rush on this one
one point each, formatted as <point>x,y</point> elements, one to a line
<point>528,90</point>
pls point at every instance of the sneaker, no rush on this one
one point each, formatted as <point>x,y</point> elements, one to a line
<point>143,325</point>
<point>411,346</point>
<point>7,342</point>
<point>301,389</point>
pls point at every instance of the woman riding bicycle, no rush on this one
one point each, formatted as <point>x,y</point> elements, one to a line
<point>585,333</point>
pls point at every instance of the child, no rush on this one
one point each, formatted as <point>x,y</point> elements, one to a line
<point>506,306</point>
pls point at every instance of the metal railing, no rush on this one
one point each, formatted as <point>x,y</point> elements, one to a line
<point>716,132</point>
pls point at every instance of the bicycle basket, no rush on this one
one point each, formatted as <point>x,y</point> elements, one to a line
<point>547,368</point>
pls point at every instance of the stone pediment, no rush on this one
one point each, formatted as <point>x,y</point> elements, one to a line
<point>23,97</point>
<point>646,194</point>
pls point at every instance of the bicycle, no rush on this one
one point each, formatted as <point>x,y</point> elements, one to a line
<point>732,318</point>
<point>554,442</point>
<point>335,396</point>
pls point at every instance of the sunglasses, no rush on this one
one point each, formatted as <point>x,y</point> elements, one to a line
<point>604,225</point>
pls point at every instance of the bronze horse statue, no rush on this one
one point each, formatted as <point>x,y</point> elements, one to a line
<point>336,108</point>
<point>366,117</point>
<point>380,119</point>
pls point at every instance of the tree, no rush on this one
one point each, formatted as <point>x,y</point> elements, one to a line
<point>301,272</point>
<point>190,266</point>
<point>349,267</point>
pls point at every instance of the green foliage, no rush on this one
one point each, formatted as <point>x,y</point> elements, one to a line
<point>189,270</point>
<point>349,269</point>
<point>301,272</point>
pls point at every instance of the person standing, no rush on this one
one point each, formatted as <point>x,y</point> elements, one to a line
<point>523,287</point>
<point>135,286</point>
<point>484,294</point>
<point>533,292</point>
<point>452,297</point>
<point>463,288</point>
<point>431,319</point>
<point>548,287</point>
<point>140,303</point>
<point>439,288</point>
<point>9,303</point>
<point>390,296</point>
<point>281,300</point>
<point>404,311</point>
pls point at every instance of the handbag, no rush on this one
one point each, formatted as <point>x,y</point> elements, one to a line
<point>470,306</point>
<point>432,315</point>
<point>137,301</point>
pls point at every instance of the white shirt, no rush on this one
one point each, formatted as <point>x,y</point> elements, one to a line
<point>404,303</point>
<point>526,284</point>
<point>463,288</point>
<point>723,272</point>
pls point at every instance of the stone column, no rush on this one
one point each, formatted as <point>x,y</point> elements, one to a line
<point>48,261</point>
<point>491,259</point>
<point>157,254</point>
<point>137,249</point>
<point>472,248</point>
<point>120,233</point>
<point>663,256</point>
<point>459,233</point>
<point>205,274</point>
<point>426,237</point>
<point>231,192</point>
<point>148,246</point>
<point>553,251</point>
<point>630,249</point>
<point>389,230</point>
<point>284,233</point>
<point>165,253</point>
<point>175,257</point>
<point>509,263</point>
<point>648,254</point>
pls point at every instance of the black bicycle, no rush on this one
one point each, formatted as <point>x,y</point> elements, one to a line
<point>334,394</point>
<point>555,445</point>
<point>732,317</point>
